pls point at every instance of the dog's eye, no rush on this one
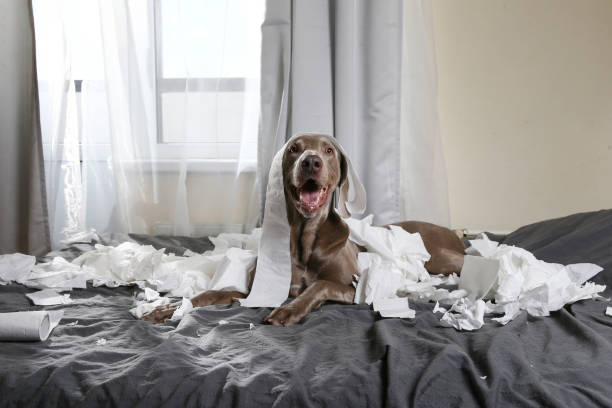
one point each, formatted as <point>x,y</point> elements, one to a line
<point>329,150</point>
<point>293,149</point>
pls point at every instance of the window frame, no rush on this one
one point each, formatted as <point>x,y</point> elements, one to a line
<point>206,155</point>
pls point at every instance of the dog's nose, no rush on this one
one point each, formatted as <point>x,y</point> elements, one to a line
<point>312,163</point>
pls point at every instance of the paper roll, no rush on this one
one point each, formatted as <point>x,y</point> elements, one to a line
<point>28,326</point>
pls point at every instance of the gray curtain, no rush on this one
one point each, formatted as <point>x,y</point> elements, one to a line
<point>23,215</point>
<point>335,67</point>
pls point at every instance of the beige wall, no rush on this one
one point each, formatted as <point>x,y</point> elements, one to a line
<point>525,96</point>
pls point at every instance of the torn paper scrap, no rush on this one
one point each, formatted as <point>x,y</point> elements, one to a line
<point>144,307</point>
<point>230,272</point>
<point>394,266</point>
<point>609,311</point>
<point>251,326</point>
<point>101,341</point>
<point>465,314</point>
<point>478,276</point>
<point>482,246</point>
<point>379,279</point>
<point>394,307</point>
<point>58,274</point>
<point>13,267</point>
<point>185,307</point>
<point>510,310</point>
<point>396,247</point>
<point>48,297</point>
<point>438,309</point>
<point>148,295</point>
<point>222,322</point>
<point>28,326</point>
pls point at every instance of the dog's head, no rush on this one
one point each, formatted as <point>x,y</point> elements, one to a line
<point>313,166</point>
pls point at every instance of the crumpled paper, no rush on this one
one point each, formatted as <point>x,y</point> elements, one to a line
<point>143,306</point>
<point>526,283</point>
<point>512,278</point>
<point>224,268</point>
<point>48,297</point>
<point>13,266</point>
<point>394,257</point>
<point>465,314</point>
<point>185,307</point>
<point>393,268</point>
<point>149,299</point>
<point>393,307</point>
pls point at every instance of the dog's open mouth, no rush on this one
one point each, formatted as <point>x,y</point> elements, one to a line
<point>312,195</point>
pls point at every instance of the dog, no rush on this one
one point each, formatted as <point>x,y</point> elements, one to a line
<point>323,259</point>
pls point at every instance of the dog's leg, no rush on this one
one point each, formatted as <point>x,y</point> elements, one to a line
<point>314,295</point>
<point>210,297</point>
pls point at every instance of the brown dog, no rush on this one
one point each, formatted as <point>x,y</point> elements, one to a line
<point>323,259</point>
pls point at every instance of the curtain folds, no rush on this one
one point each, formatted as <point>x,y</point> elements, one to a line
<point>149,114</point>
<point>22,185</point>
<point>364,72</point>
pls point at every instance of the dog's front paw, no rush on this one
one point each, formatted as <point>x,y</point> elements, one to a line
<point>161,313</point>
<point>285,315</point>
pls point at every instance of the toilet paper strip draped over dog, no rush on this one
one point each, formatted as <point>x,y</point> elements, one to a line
<point>273,277</point>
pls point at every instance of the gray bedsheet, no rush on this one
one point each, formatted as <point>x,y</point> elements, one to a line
<point>338,356</point>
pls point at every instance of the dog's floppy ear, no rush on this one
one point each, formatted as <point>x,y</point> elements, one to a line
<point>343,170</point>
<point>352,194</point>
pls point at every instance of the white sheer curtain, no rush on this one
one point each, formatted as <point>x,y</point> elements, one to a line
<point>149,114</point>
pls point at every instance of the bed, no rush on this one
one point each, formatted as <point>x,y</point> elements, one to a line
<point>221,356</point>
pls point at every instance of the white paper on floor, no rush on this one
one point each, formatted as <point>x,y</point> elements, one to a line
<point>394,307</point>
<point>392,268</point>
<point>182,310</point>
<point>511,277</point>
<point>143,306</point>
<point>48,297</point>
<point>224,268</point>
<point>14,266</point>
<point>465,314</point>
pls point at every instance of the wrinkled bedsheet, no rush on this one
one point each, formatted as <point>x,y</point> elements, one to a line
<point>340,355</point>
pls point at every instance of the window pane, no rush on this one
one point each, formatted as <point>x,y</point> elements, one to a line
<point>202,117</point>
<point>210,39</point>
<point>208,56</point>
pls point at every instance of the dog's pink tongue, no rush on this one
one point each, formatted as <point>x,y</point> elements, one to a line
<point>309,197</point>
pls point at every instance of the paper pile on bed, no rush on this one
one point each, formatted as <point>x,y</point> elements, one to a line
<point>392,272</point>
<point>520,281</point>
<point>142,265</point>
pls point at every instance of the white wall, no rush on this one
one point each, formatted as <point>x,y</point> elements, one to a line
<point>525,97</point>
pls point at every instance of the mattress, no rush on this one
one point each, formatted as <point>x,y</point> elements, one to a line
<point>339,355</point>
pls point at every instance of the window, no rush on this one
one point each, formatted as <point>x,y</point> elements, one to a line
<point>207,69</point>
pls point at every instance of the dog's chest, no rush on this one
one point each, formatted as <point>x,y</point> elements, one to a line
<point>302,246</point>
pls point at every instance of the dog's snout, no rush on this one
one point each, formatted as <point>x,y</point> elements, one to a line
<point>312,163</point>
